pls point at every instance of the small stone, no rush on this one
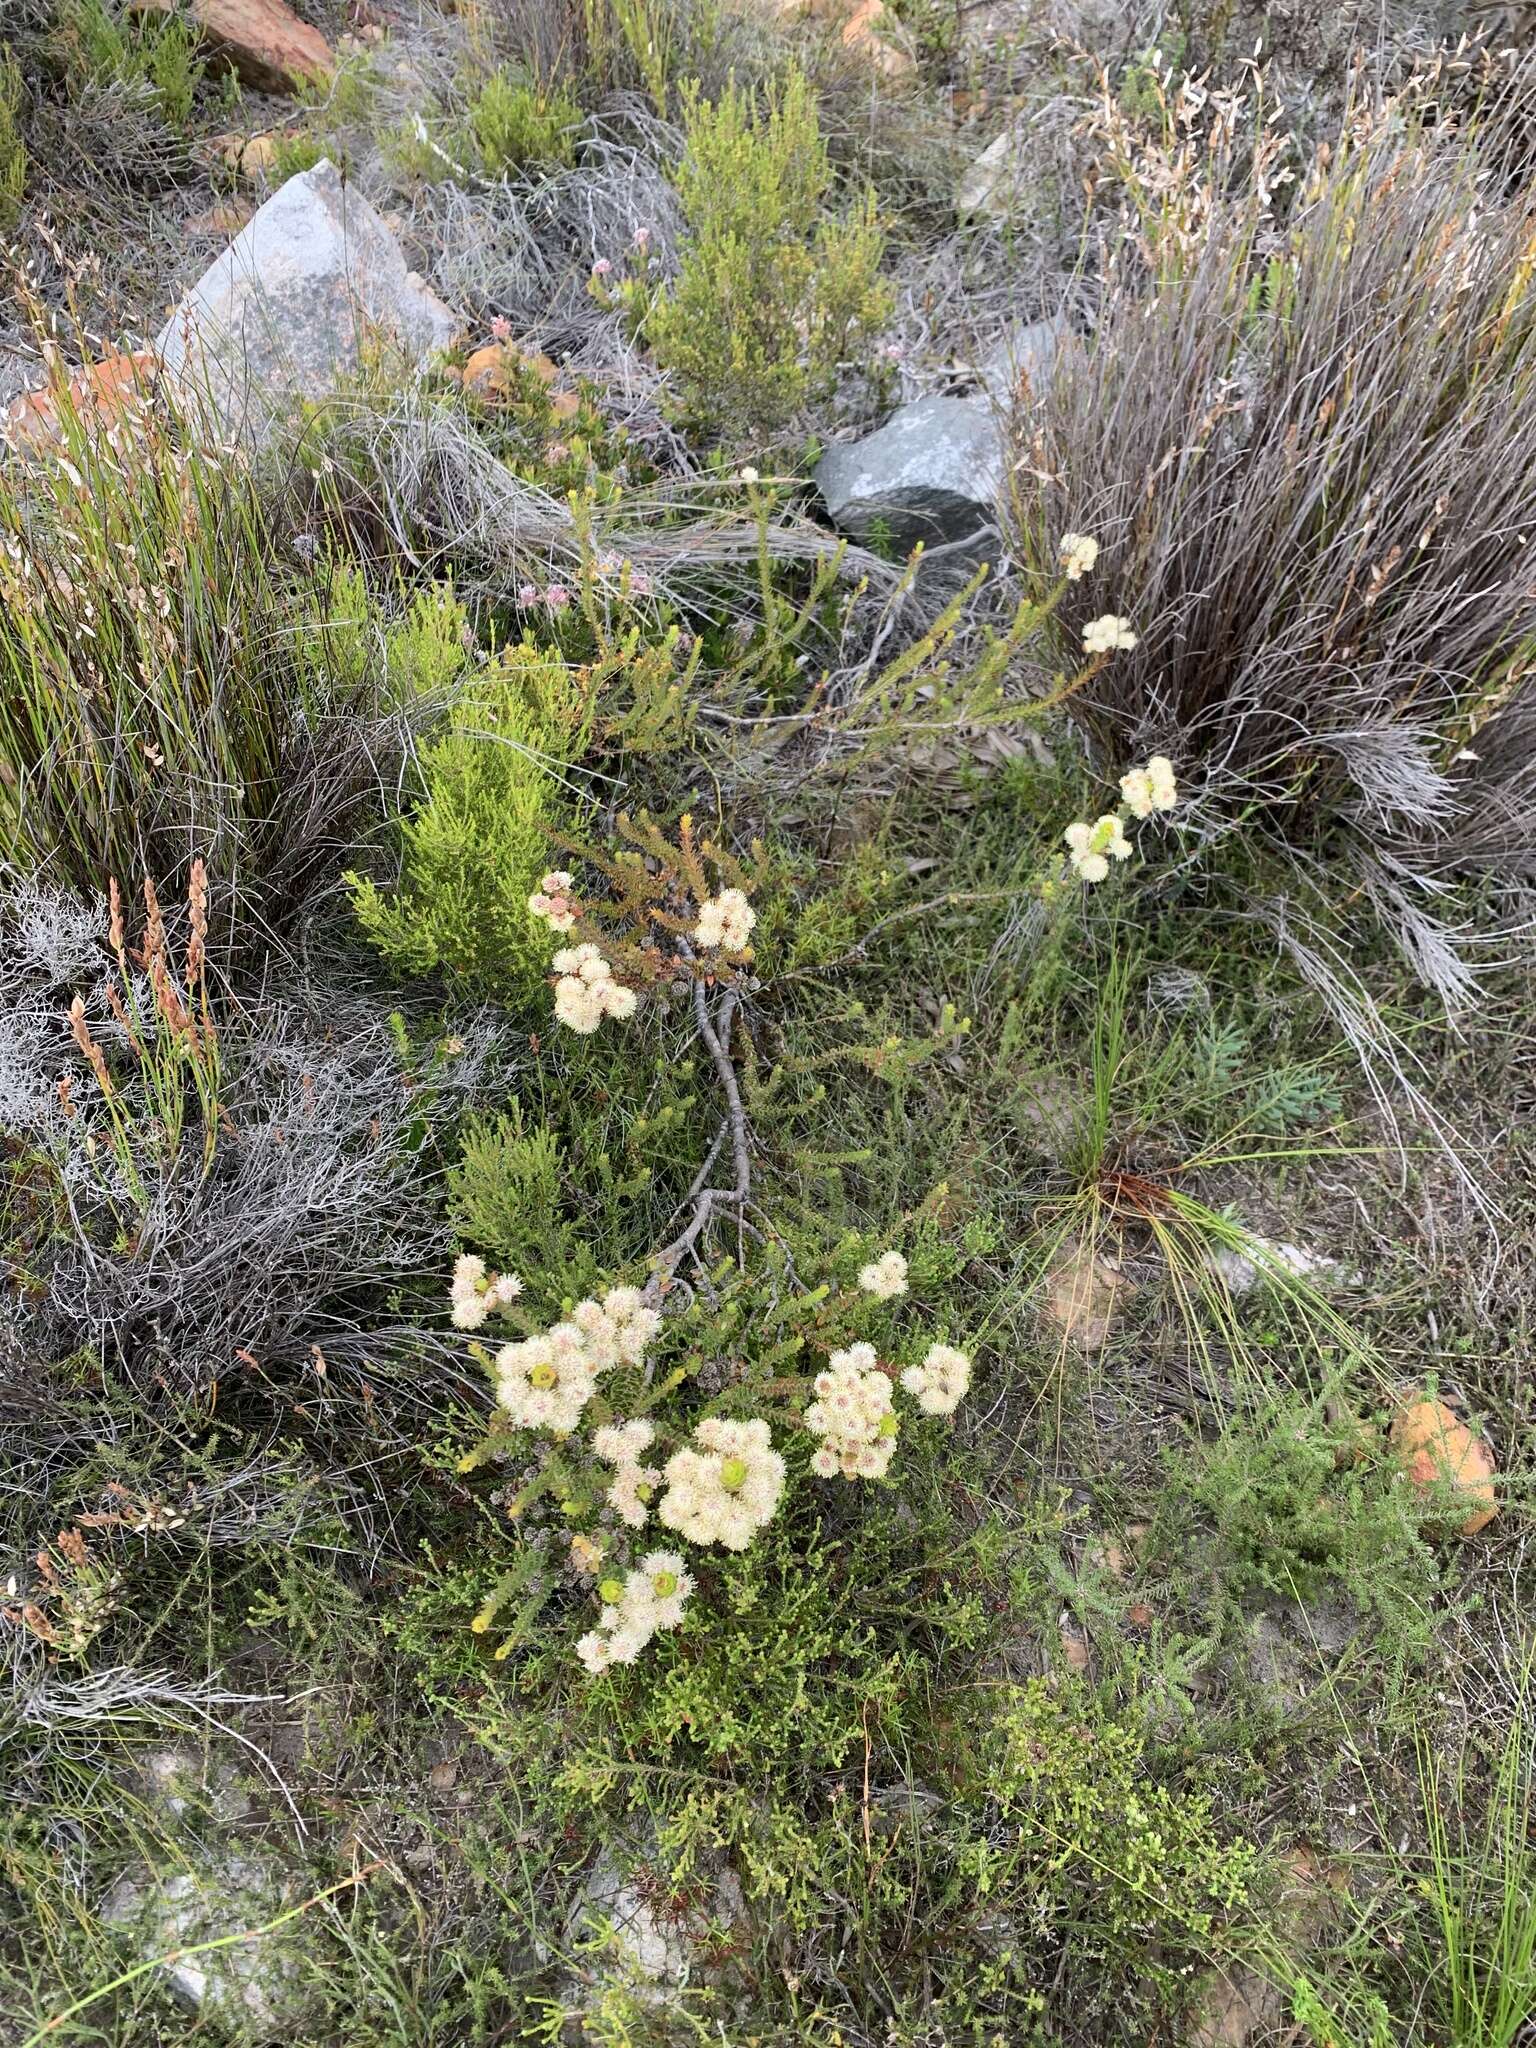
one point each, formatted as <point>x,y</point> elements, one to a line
<point>998,182</point>
<point>263,41</point>
<point>220,222</point>
<point>259,155</point>
<point>655,1943</point>
<point>182,1781</point>
<point>1270,1258</point>
<point>1083,1294</point>
<point>861,32</point>
<point>1436,1449</point>
<point>1233,2008</point>
<point>1075,1650</point>
<point>1022,362</point>
<point>932,473</point>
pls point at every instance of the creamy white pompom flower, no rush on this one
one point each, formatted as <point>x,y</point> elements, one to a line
<point>885,1277</point>
<point>1079,552</point>
<point>623,1444</point>
<point>545,1381</point>
<point>554,900</point>
<point>475,1294</point>
<point>727,1488</point>
<point>1104,635</point>
<point>853,1417</point>
<point>941,1382</point>
<point>632,1491</point>
<point>1150,789</point>
<point>725,920</point>
<point>650,1598</point>
<point>1093,847</point>
<point>586,991</point>
<point>595,1652</point>
<point>659,1589</point>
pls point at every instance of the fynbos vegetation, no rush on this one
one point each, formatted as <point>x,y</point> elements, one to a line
<point>765,1024</point>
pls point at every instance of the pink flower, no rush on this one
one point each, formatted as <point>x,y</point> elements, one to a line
<point>642,240</point>
<point>526,594</point>
<point>602,267</point>
<point>639,583</point>
<point>557,597</point>
<point>501,329</point>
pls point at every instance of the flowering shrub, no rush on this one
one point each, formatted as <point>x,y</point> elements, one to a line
<point>664,923</point>
<point>618,1443</point>
<point>1091,848</point>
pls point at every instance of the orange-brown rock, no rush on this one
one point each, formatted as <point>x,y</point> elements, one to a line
<point>860,32</point>
<point>1083,1295</point>
<point>264,41</point>
<point>100,392</point>
<point>1436,1448</point>
<point>490,370</point>
<point>857,23</point>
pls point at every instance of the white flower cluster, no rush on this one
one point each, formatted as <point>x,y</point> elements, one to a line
<point>554,900</point>
<point>475,1293</point>
<point>586,991</point>
<point>545,1381</point>
<point>1150,789</point>
<point>885,1277</point>
<point>634,1609</point>
<point>853,1417</point>
<point>1093,847</point>
<point>940,1382</point>
<point>1103,636</point>
<point>726,1490</point>
<point>725,920</point>
<point>622,1445</point>
<point>1079,552</point>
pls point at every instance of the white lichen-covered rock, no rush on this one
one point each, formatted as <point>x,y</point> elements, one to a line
<point>1272,1259</point>
<point>185,1782</point>
<point>249,1986</point>
<point>932,473</point>
<point>999,181</point>
<point>290,307</point>
<point>631,1929</point>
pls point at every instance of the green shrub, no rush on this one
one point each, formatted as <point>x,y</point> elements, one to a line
<point>161,51</point>
<point>475,843</point>
<point>13,150</point>
<point>1300,1502</point>
<point>773,294</point>
<point>516,122</point>
<point>506,1194</point>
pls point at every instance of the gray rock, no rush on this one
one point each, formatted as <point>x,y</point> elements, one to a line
<point>932,473</point>
<point>1272,1259</point>
<point>1026,355</point>
<point>286,311</point>
<point>998,182</point>
<point>253,1985</point>
<point>183,1782</point>
<point>18,373</point>
<point>633,1935</point>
